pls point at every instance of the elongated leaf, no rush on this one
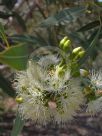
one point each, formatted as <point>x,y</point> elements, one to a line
<point>60,1</point>
<point>80,40</point>
<point>18,126</point>
<point>3,35</point>
<point>91,46</point>
<point>6,86</point>
<point>23,38</point>
<point>66,15</point>
<point>15,56</point>
<point>89,26</point>
<point>29,39</point>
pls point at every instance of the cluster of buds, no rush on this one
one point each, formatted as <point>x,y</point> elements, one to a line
<point>78,53</point>
<point>65,44</point>
<point>92,89</point>
<point>74,55</point>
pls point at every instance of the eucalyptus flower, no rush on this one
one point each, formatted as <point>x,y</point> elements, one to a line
<point>96,79</point>
<point>95,105</point>
<point>46,95</point>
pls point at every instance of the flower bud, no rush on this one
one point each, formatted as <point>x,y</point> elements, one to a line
<point>81,54</point>
<point>60,71</point>
<point>77,50</point>
<point>19,100</point>
<point>67,45</point>
<point>84,72</point>
<point>63,41</point>
<point>87,90</point>
<point>88,11</point>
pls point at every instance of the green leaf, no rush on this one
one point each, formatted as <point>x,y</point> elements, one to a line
<point>18,126</point>
<point>15,56</point>
<point>91,47</point>
<point>30,39</point>
<point>89,26</point>
<point>6,86</point>
<point>78,39</point>
<point>66,15</point>
<point>3,35</point>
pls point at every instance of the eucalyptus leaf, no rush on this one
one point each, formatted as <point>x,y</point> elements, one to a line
<point>66,15</point>
<point>29,39</point>
<point>15,56</point>
<point>89,50</point>
<point>18,126</point>
<point>6,86</point>
<point>89,26</point>
<point>3,35</point>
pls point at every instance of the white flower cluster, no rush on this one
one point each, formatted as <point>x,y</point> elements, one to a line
<point>95,106</point>
<point>46,96</point>
<point>96,79</point>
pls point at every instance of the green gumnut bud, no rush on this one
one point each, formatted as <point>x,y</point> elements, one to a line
<point>63,41</point>
<point>81,54</point>
<point>84,72</point>
<point>19,100</point>
<point>87,90</point>
<point>77,50</point>
<point>60,71</point>
<point>67,45</point>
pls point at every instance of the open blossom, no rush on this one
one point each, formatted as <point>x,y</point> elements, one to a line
<point>96,79</point>
<point>95,106</point>
<point>46,96</point>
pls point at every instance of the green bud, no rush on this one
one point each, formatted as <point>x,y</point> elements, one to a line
<point>77,50</point>
<point>67,45</point>
<point>63,41</point>
<point>19,100</point>
<point>81,54</point>
<point>87,90</point>
<point>84,72</point>
<point>88,11</point>
<point>60,71</point>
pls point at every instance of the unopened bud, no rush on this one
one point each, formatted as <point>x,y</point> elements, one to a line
<point>81,54</point>
<point>77,50</point>
<point>19,100</point>
<point>88,11</point>
<point>67,45</point>
<point>87,91</point>
<point>63,41</point>
<point>84,72</point>
<point>60,71</point>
